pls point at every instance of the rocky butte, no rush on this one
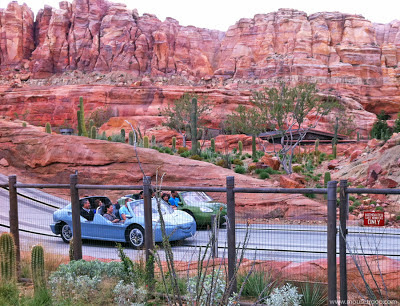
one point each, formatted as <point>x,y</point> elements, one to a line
<point>136,64</point>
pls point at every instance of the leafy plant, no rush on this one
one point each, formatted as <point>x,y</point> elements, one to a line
<point>240,169</point>
<point>286,295</point>
<point>380,129</point>
<point>313,295</point>
<point>129,294</point>
<point>258,283</point>
<point>48,128</point>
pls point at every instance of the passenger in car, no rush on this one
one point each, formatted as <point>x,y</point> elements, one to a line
<point>174,199</point>
<point>109,215</point>
<point>165,197</point>
<point>124,211</point>
<point>86,212</point>
<point>99,206</point>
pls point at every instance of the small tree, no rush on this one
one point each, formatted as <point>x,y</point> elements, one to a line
<point>396,127</point>
<point>179,114</point>
<point>249,121</point>
<point>292,110</point>
<point>380,129</point>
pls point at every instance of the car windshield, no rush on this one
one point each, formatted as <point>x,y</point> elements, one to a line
<point>138,207</point>
<point>193,198</point>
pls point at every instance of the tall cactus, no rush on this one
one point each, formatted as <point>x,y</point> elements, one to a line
<point>153,140</point>
<point>82,118</point>
<point>123,134</point>
<point>334,151</point>
<point>358,136</point>
<point>8,258</point>
<point>327,178</point>
<point>146,141</point>
<point>71,252</point>
<point>316,146</point>
<point>37,265</point>
<point>212,144</point>
<point>335,139</point>
<point>173,144</point>
<point>48,128</point>
<point>78,115</point>
<point>130,138</point>
<point>253,147</point>
<point>93,132</point>
<point>240,145</point>
<point>198,146</point>
<point>193,128</point>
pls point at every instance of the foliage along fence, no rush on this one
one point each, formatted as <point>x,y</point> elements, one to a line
<point>290,243</point>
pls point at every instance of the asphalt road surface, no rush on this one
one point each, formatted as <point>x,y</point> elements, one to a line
<point>296,243</point>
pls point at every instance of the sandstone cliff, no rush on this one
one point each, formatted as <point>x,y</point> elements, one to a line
<point>99,42</point>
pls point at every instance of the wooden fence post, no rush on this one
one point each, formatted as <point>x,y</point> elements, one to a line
<point>231,234</point>
<point>13,215</point>
<point>342,240</point>
<point>76,217</point>
<point>148,231</point>
<point>331,237</point>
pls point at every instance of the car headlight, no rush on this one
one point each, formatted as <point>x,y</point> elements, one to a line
<point>206,209</point>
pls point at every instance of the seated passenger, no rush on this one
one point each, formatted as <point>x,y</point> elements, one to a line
<point>165,197</point>
<point>86,212</point>
<point>124,211</point>
<point>174,199</point>
<point>99,206</point>
<point>109,215</point>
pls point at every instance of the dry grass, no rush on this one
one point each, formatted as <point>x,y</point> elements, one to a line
<point>51,263</point>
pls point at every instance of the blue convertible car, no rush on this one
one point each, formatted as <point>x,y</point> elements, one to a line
<point>178,225</point>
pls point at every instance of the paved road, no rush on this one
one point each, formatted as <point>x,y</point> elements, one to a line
<point>296,243</point>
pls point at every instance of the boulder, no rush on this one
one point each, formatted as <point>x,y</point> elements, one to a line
<point>388,183</point>
<point>355,155</point>
<point>4,162</point>
<point>285,181</point>
<point>271,161</point>
<point>333,164</point>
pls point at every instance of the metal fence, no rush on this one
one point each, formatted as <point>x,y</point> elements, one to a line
<point>299,249</point>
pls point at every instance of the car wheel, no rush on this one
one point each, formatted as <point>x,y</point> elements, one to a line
<point>66,233</point>
<point>135,236</point>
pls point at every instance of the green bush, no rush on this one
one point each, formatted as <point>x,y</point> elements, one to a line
<point>356,203</point>
<point>237,161</point>
<point>117,138</point>
<point>240,169</point>
<point>196,157</point>
<point>264,175</point>
<point>221,162</point>
<point>380,129</point>
<point>168,150</point>
<point>251,168</point>
<point>185,154</point>
<point>313,295</point>
<point>297,168</point>
<point>379,208</point>
<point>182,150</point>
<point>351,208</point>
<point>258,284</point>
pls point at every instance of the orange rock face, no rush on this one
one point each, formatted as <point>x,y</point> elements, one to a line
<point>347,55</point>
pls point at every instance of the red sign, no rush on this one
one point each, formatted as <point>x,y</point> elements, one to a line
<point>374,218</point>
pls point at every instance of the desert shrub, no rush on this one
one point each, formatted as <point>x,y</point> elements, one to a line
<point>129,294</point>
<point>380,129</point>
<point>285,295</point>
<point>251,168</point>
<point>259,283</point>
<point>221,162</point>
<point>23,124</point>
<point>240,169</point>
<point>212,288</point>
<point>8,293</point>
<point>313,295</point>
<point>264,175</point>
<point>182,150</point>
<point>185,154</point>
<point>247,155</point>
<point>167,150</point>
<point>351,208</point>
<point>352,198</point>
<point>237,161</point>
<point>196,157</point>
<point>297,168</point>
<point>379,208</point>
<point>310,195</point>
<point>100,116</point>
<point>255,160</point>
<point>356,203</point>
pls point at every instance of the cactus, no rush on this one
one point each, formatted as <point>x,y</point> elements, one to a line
<point>130,138</point>
<point>334,151</point>
<point>37,265</point>
<point>109,138</point>
<point>212,144</point>
<point>8,258</point>
<point>48,128</point>
<point>316,146</point>
<point>153,140</point>
<point>253,147</point>
<point>91,123</point>
<point>358,136</point>
<point>198,146</point>
<point>93,132</point>
<point>23,124</point>
<point>78,115</point>
<point>103,136</point>
<point>327,178</point>
<point>71,250</point>
<point>335,139</point>
<point>81,122</point>
<point>240,145</point>
<point>200,134</point>
<point>123,134</point>
<point>173,144</point>
<point>193,127</point>
<point>146,141</point>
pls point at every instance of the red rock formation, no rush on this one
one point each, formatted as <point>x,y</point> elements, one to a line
<point>347,56</point>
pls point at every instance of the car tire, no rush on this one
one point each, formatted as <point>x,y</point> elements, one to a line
<point>135,236</point>
<point>66,233</point>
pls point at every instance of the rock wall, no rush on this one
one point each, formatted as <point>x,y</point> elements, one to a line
<point>346,55</point>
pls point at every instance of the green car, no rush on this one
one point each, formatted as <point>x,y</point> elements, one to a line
<point>201,206</point>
